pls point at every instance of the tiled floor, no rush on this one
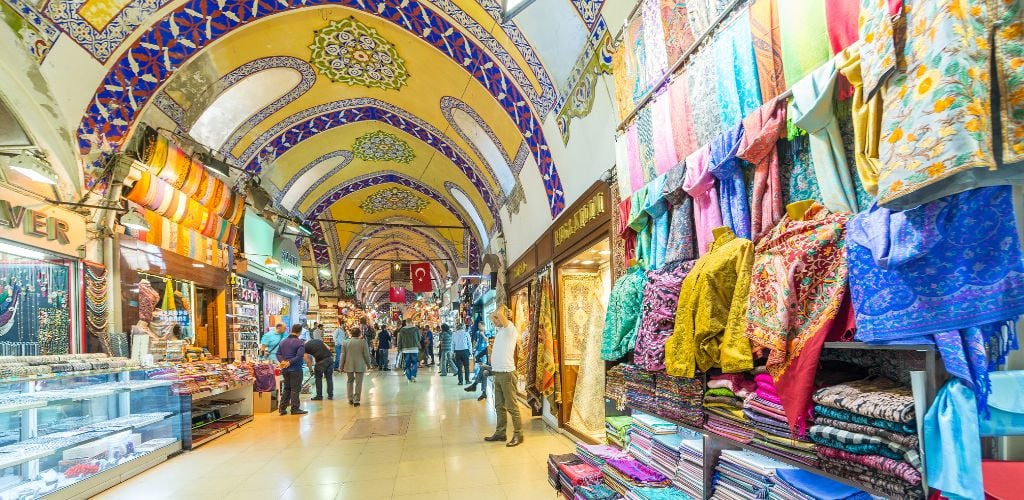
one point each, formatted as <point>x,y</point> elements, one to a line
<point>442,455</point>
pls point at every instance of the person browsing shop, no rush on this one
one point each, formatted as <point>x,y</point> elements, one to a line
<point>322,363</point>
<point>289,354</point>
<point>503,367</point>
<point>271,341</point>
<point>383,348</point>
<point>460,346</point>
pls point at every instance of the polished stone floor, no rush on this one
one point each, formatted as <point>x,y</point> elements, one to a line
<point>321,455</point>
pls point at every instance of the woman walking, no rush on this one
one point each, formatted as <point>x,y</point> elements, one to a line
<point>355,358</point>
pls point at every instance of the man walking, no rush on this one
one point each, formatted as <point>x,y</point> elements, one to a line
<point>445,350</point>
<point>290,354</point>
<point>503,366</point>
<point>383,348</point>
<point>367,333</point>
<point>339,339</point>
<point>322,367</point>
<point>409,345</point>
<point>460,345</point>
<point>355,358</point>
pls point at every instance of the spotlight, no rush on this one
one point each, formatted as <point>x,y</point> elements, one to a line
<point>33,167</point>
<point>134,220</point>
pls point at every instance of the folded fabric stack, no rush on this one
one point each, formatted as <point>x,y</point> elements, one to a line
<point>641,435</point>
<point>771,432</point>
<point>723,407</point>
<point>572,475</point>
<point>595,492</point>
<point>615,386</point>
<point>626,475</point>
<point>649,493</point>
<point>598,454</point>
<point>616,430</point>
<point>665,453</point>
<point>640,388</point>
<point>742,474</point>
<point>796,484</point>
<point>865,430</point>
<point>689,475</point>
<point>553,461</point>
<point>680,399</point>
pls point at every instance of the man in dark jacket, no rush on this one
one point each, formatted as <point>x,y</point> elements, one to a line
<point>322,362</point>
<point>409,345</point>
<point>383,347</point>
<point>289,355</point>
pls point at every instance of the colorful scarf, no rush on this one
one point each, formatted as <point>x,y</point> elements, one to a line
<point>676,28</point>
<point>849,416</point>
<point>732,190</point>
<point>700,184</point>
<point>665,156</point>
<point>805,44</point>
<point>622,319</point>
<point>732,51</point>
<point>797,288</point>
<point>761,130</point>
<point>767,38</point>
<point>682,242</point>
<point>548,376</point>
<point>885,465</point>
<point>876,397</point>
<point>654,40</point>
<point>682,117</point>
<point>658,314</point>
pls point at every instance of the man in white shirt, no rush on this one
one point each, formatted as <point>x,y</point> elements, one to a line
<point>503,367</point>
<point>339,339</point>
<point>460,346</point>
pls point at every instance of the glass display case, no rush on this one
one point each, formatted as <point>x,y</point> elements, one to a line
<point>70,434</point>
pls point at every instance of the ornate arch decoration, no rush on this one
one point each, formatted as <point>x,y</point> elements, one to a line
<point>464,201</point>
<point>343,158</point>
<point>137,74</point>
<point>444,246</point>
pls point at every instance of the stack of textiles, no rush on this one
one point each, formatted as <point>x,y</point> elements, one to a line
<point>764,410</point>
<point>572,475</point>
<point>742,474</point>
<point>689,475</point>
<point>680,399</point>
<point>723,406</point>
<point>649,493</point>
<point>615,386</point>
<point>640,388</point>
<point>866,431</point>
<point>598,454</point>
<point>628,474</point>
<point>616,430</point>
<point>595,492</point>
<point>665,453</point>
<point>641,435</point>
<point>553,462</point>
<point>796,484</point>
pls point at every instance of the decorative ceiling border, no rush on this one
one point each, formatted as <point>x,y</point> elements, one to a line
<point>100,37</point>
<point>38,34</point>
<point>310,122</point>
<point>448,249</point>
<point>167,45</point>
<point>578,100</point>
<point>589,11</point>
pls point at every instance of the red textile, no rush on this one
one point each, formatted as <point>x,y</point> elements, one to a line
<point>1002,479</point>
<point>762,129</point>
<point>841,18</point>
<point>420,274</point>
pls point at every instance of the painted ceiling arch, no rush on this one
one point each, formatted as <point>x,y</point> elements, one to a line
<point>440,244</point>
<point>426,245</point>
<point>148,62</point>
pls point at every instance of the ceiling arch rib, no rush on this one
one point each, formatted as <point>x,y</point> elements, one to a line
<point>400,250</point>
<point>310,175</point>
<point>466,203</point>
<point>355,248</point>
<point>173,40</point>
<point>239,102</point>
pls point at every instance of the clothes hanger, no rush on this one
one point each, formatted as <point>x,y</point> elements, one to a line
<point>798,209</point>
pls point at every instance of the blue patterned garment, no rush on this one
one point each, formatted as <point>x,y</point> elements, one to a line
<point>732,193</point>
<point>657,207</point>
<point>736,83</point>
<point>682,237</point>
<point>951,268</point>
<point>623,316</point>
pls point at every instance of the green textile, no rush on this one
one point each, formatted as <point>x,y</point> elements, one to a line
<point>721,391</point>
<point>805,43</point>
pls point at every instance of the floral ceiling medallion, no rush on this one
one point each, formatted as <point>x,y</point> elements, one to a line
<point>351,52</point>
<point>393,198</point>
<point>382,146</point>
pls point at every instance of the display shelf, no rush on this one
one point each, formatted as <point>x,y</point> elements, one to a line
<point>206,438</point>
<point>41,401</point>
<point>879,347</point>
<point>81,373</point>
<point>760,451</point>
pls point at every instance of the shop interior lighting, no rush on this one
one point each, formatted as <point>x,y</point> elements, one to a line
<point>299,228</point>
<point>21,252</point>
<point>587,262</point>
<point>134,220</point>
<point>33,167</point>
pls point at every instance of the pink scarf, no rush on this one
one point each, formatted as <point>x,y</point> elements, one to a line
<point>761,130</point>
<point>700,185</point>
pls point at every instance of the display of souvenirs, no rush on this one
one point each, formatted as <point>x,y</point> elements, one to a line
<point>198,377</point>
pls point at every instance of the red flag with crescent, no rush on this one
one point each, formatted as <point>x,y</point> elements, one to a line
<point>420,274</point>
<point>397,294</point>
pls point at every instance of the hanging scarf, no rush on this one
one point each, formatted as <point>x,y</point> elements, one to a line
<point>168,301</point>
<point>622,319</point>
<point>764,28</point>
<point>682,117</point>
<point>700,184</point>
<point>682,242</point>
<point>548,377</point>
<point>761,130</point>
<point>796,293</point>
<point>732,190</point>
<point>532,345</point>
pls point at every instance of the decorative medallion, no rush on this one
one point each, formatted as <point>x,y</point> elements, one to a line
<point>393,198</point>
<point>382,146</point>
<point>351,52</point>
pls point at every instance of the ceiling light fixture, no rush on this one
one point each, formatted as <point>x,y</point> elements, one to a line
<point>33,167</point>
<point>299,228</point>
<point>21,252</point>
<point>134,220</point>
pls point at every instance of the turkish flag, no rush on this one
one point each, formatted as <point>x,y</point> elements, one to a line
<point>398,294</point>
<point>420,274</point>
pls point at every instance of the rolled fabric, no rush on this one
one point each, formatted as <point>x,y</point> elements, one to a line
<point>194,176</point>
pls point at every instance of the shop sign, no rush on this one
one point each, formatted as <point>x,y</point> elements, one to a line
<point>46,226</point>
<point>287,255</point>
<point>591,210</point>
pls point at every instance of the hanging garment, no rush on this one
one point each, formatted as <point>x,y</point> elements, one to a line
<point>841,20</point>
<point>657,209</point>
<point>682,242</point>
<point>636,171</point>
<point>645,143</point>
<point>797,290</point>
<point>622,319</point>
<point>811,110</point>
<point>676,29</point>
<point>707,118</point>
<point>761,130</point>
<point>700,185</point>
<point>658,314</point>
<point>732,191</point>
<point>665,156</point>
<point>710,329</point>
<point>654,39</point>
<point>575,291</point>
<point>639,222</point>
<point>638,57</point>
<point>623,80</point>
<point>682,117</point>
<point>587,413</point>
<point>867,120</point>
<point>549,382</point>
<point>533,347</point>
<point>805,43</point>
<point>767,38</point>
<point>952,443</point>
<point>736,83</point>
<point>627,233</point>
<point>937,123</point>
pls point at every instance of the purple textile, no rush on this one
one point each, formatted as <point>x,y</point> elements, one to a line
<point>658,314</point>
<point>637,471</point>
<point>728,169</point>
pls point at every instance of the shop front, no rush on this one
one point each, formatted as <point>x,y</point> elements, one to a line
<point>272,262</point>
<point>582,273</point>
<point>519,279</point>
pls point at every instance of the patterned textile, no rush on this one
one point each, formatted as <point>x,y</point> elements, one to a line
<point>654,39</point>
<point>732,193</point>
<point>635,169</point>
<point>761,130</point>
<point>848,416</point>
<point>908,440</point>
<point>639,222</point>
<point>577,297</point>
<point>639,67</point>
<point>767,38</point>
<point>805,44</point>
<point>679,398</point>
<point>663,138</point>
<point>615,388</point>
<point>885,465</point>
<point>702,13</point>
<point>676,28</point>
<point>872,397</point>
<point>532,347</point>
<point>796,293</point>
<point>658,314</point>
<point>736,86</point>
<point>622,318</point>
<point>867,120</point>
<point>645,143</point>
<point>811,110</point>
<point>587,414</point>
<point>864,444</point>
<point>700,185</point>
<point>707,119</point>
<point>798,180</point>
<point>890,486</point>
<point>682,116</point>
<point>682,242</point>
<point>711,316</point>
<point>937,127</point>
<point>549,379</point>
<point>657,208</point>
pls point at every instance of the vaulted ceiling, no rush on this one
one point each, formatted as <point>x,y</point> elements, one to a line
<point>400,114</point>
